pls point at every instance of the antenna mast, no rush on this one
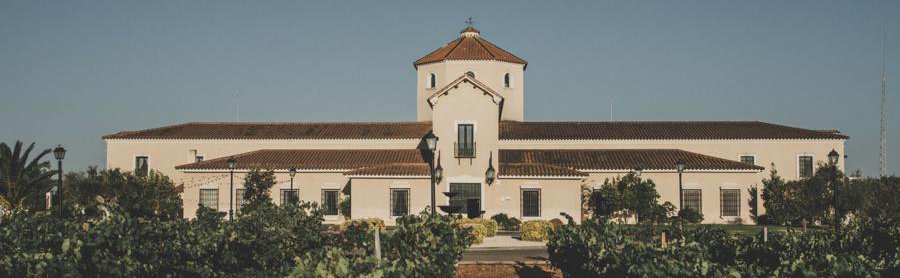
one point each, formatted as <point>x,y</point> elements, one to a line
<point>883,164</point>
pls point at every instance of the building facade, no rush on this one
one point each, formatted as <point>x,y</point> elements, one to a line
<point>470,95</point>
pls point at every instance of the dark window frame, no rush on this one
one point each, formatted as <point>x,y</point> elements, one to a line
<point>805,172</point>
<point>239,201</point>
<point>465,140</point>
<point>393,203</point>
<point>466,191</point>
<point>752,159</point>
<point>140,170</point>
<point>337,201</point>
<point>525,209</point>
<point>215,205</point>
<point>688,199</point>
<point>727,208</point>
<point>284,197</point>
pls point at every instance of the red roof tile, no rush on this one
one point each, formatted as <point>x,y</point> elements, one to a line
<point>656,131</point>
<point>243,130</point>
<point>310,159</point>
<point>469,48</point>
<point>537,170</point>
<point>622,159</point>
<point>393,170</point>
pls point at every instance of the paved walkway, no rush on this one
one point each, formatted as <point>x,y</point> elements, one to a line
<point>505,241</point>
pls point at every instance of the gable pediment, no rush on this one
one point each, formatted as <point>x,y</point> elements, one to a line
<point>465,80</point>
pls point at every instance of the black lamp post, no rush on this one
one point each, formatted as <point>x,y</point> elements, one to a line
<point>679,166</point>
<point>833,158</point>
<point>231,164</point>
<point>431,142</point>
<point>293,172</point>
<point>60,153</point>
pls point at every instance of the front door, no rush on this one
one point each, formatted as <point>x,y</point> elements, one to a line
<point>464,193</point>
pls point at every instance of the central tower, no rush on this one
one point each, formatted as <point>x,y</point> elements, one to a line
<point>471,54</point>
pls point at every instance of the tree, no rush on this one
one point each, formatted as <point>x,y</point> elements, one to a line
<point>628,196</point>
<point>95,193</point>
<point>753,203</point>
<point>23,182</point>
<point>257,184</point>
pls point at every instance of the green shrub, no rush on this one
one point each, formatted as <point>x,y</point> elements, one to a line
<point>368,222</point>
<point>506,223</point>
<point>479,231</point>
<point>535,230</point>
<point>514,224</point>
<point>489,224</point>
<point>690,216</point>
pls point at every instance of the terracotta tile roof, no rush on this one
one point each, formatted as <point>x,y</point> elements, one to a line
<point>469,48</point>
<point>246,130</point>
<point>393,170</point>
<point>310,159</point>
<point>656,131</point>
<point>537,170</point>
<point>623,159</point>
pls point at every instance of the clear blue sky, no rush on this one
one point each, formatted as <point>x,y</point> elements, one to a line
<point>73,71</point>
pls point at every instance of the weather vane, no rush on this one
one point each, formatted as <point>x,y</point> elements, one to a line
<point>469,22</point>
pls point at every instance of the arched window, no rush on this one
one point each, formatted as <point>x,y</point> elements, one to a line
<point>506,80</point>
<point>432,81</point>
<point>470,74</point>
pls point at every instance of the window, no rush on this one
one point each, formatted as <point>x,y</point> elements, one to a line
<point>470,74</point>
<point>432,81</point>
<point>506,80</point>
<point>465,192</point>
<point>141,166</point>
<point>748,159</point>
<point>238,199</point>
<point>209,198</point>
<point>805,166</point>
<point>330,199</point>
<point>692,199</point>
<point>198,158</point>
<point>465,144</point>
<point>731,202</point>
<point>531,202</point>
<point>289,196</point>
<point>399,202</point>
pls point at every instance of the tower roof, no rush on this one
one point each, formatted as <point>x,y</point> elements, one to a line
<point>469,46</point>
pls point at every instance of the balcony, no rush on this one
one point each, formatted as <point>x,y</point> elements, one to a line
<point>464,150</point>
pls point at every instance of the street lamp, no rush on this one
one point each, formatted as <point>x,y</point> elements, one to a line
<point>293,172</point>
<point>490,174</point>
<point>431,143</point>
<point>60,153</point>
<point>833,158</point>
<point>438,171</point>
<point>679,166</point>
<point>231,164</point>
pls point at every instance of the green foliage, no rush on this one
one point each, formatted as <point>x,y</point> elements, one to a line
<point>868,248</point>
<point>535,230</point>
<point>477,230</point>
<point>626,197</point>
<point>369,223</point>
<point>506,223</point>
<point>257,184</point>
<point>753,203</point>
<point>344,207</point>
<point>490,225</point>
<point>690,216</point>
<point>23,182</point>
<point>94,194</point>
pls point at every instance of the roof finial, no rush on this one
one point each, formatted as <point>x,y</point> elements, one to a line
<point>469,31</point>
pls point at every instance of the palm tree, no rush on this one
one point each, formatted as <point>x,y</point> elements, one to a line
<point>22,181</point>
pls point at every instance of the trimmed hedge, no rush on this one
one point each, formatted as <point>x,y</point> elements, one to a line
<point>535,230</point>
<point>490,225</point>
<point>478,231</point>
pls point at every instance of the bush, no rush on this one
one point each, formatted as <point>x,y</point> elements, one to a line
<point>867,248</point>
<point>489,224</point>
<point>514,224</point>
<point>690,216</point>
<point>368,222</point>
<point>479,231</point>
<point>535,230</point>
